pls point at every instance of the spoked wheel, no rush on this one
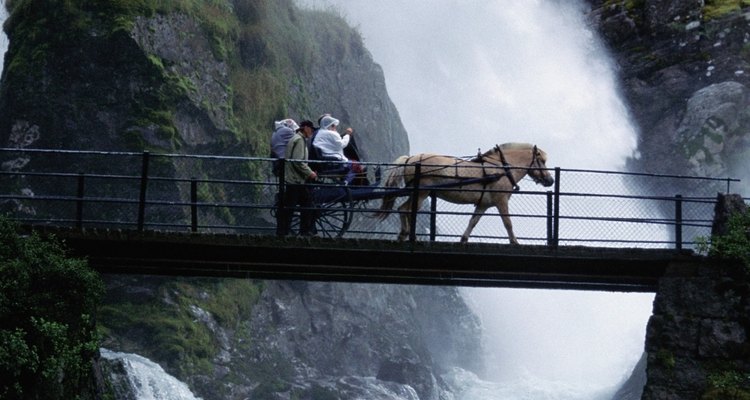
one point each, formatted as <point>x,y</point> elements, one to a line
<point>332,217</point>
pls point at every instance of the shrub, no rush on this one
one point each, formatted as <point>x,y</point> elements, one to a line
<point>735,244</point>
<point>47,328</point>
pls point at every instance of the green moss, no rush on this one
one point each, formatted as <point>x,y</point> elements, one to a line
<point>728,385</point>
<point>718,8</point>
<point>666,359</point>
<point>166,326</point>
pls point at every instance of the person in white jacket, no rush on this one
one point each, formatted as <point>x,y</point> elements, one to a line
<point>329,142</point>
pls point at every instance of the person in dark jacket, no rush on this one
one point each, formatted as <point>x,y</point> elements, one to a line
<point>296,193</point>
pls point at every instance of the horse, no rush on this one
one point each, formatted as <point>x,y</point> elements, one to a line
<point>490,179</point>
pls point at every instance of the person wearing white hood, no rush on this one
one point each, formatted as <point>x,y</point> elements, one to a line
<point>283,131</point>
<point>328,140</point>
<point>331,145</point>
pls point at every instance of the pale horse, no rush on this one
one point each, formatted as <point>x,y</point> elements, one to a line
<point>486,180</point>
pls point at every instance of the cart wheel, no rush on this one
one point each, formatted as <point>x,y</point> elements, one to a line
<point>333,213</point>
<point>333,219</point>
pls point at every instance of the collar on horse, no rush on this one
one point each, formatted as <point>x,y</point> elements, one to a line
<point>507,168</point>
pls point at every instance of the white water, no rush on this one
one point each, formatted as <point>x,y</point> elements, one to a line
<point>148,379</point>
<point>3,36</point>
<point>470,74</point>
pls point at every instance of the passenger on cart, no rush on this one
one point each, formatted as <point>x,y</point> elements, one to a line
<point>283,132</point>
<point>328,145</point>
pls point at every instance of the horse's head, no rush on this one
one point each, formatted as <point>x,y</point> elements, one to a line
<point>527,155</point>
<point>538,168</point>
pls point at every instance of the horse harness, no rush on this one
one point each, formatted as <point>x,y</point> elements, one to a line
<point>507,168</point>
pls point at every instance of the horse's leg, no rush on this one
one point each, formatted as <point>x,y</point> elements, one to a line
<point>405,215</point>
<point>502,207</point>
<point>478,212</point>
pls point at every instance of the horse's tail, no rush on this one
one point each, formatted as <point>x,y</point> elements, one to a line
<point>394,178</point>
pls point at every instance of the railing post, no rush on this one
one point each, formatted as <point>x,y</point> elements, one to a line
<point>549,217</point>
<point>414,203</point>
<point>193,205</point>
<point>678,222</point>
<point>433,216</point>
<point>144,185</point>
<point>79,201</point>
<point>556,217</point>
<point>282,189</point>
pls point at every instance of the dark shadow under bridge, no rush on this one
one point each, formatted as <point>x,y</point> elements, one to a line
<point>373,261</point>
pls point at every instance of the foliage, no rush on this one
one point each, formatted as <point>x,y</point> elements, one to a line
<point>735,244</point>
<point>47,303</point>
<point>727,385</point>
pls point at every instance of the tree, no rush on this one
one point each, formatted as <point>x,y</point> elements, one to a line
<point>47,329</point>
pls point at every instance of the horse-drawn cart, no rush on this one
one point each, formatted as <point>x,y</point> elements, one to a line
<point>477,181</point>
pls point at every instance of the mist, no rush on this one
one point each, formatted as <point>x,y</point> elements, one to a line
<point>469,75</point>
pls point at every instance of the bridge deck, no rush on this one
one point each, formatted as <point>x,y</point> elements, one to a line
<point>370,261</point>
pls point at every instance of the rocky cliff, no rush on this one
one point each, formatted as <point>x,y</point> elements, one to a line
<point>210,78</point>
<point>183,77</point>
<point>186,78</point>
<point>685,69</point>
<point>240,339</point>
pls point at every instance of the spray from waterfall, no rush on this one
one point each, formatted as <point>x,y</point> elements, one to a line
<point>471,75</point>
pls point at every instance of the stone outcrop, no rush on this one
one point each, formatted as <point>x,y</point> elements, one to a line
<point>299,338</point>
<point>685,75</point>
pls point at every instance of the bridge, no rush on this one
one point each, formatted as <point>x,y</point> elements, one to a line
<point>371,261</point>
<point>140,213</point>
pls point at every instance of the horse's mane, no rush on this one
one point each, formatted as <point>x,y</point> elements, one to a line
<point>504,146</point>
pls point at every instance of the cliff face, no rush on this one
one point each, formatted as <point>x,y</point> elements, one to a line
<point>685,70</point>
<point>182,77</point>
<point>210,78</point>
<point>191,78</point>
<point>235,339</point>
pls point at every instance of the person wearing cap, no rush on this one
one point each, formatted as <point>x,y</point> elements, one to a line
<point>296,173</point>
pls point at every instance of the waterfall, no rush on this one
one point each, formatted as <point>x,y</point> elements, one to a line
<point>469,75</point>
<point>3,36</point>
<point>146,380</point>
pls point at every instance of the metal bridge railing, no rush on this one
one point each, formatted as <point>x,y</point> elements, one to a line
<point>145,191</point>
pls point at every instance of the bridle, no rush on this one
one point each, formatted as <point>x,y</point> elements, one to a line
<point>507,167</point>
